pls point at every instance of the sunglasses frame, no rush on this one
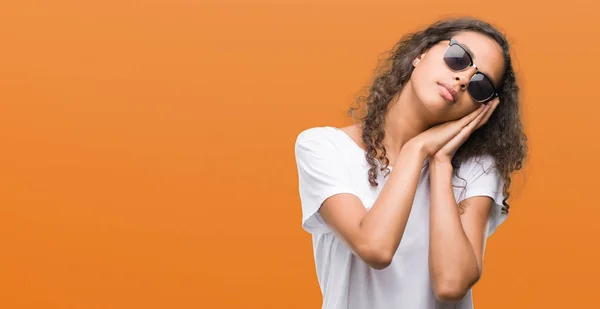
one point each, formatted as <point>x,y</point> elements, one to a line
<point>472,64</point>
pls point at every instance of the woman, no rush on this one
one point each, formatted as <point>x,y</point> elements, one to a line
<point>400,205</point>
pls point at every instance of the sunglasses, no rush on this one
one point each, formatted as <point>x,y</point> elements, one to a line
<point>481,88</point>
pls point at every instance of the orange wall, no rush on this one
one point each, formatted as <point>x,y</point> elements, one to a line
<point>147,148</point>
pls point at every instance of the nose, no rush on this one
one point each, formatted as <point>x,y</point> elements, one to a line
<point>463,77</point>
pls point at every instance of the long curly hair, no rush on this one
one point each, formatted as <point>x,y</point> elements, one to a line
<point>502,137</point>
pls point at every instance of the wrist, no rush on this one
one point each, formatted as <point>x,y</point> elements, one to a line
<point>440,164</point>
<point>415,149</point>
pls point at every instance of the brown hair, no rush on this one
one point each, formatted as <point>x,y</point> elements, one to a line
<point>502,137</point>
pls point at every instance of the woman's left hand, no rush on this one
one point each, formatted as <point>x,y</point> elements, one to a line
<point>447,151</point>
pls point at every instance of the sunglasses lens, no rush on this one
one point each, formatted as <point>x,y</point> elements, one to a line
<point>480,87</point>
<point>457,58</point>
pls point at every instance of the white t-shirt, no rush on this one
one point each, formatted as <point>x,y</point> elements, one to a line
<point>329,162</point>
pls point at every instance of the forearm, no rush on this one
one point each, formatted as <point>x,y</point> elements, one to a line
<point>385,222</point>
<point>452,260</point>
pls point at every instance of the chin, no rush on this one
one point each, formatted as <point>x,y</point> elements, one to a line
<point>437,104</point>
<point>439,109</point>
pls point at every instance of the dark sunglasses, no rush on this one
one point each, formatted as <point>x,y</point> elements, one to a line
<point>481,88</point>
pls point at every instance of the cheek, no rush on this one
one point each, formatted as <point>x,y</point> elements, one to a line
<point>428,68</point>
<point>423,77</point>
<point>467,104</point>
<point>470,104</point>
<point>467,108</point>
<point>422,88</point>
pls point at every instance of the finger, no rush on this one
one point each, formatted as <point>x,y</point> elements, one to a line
<point>470,117</point>
<point>464,133</point>
<point>488,113</point>
<point>473,124</point>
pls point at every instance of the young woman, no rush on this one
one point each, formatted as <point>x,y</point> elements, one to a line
<point>400,204</point>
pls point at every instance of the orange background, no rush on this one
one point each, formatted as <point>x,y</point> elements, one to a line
<point>147,148</point>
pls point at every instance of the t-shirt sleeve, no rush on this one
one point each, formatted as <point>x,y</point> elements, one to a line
<point>322,173</point>
<point>483,179</point>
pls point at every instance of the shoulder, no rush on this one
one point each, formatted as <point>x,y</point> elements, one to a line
<point>318,138</point>
<point>310,134</point>
<point>481,177</point>
<point>481,163</point>
<point>479,173</point>
<point>315,133</point>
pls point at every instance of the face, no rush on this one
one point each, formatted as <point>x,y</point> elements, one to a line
<point>444,91</point>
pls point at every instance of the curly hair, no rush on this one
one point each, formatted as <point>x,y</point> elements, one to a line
<point>502,137</point>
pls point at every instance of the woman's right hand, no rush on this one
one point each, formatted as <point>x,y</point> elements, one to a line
<point>434,138</point>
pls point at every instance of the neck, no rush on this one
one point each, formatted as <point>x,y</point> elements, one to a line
<point>405,119</point>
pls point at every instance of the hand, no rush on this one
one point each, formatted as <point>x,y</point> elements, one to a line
<point>436,137</point>
<point>447,151</point>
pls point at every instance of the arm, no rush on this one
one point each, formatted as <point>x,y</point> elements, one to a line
<point>375,235</point>
<point>457,241</point>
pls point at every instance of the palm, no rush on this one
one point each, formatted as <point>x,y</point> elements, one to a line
<point>449,149</point>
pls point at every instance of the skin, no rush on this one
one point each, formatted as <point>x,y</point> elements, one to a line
<point>420,124</point>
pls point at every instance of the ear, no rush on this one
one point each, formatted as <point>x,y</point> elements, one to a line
<point>418,59</point>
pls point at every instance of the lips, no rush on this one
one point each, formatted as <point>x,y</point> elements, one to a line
<point>448,92</point>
